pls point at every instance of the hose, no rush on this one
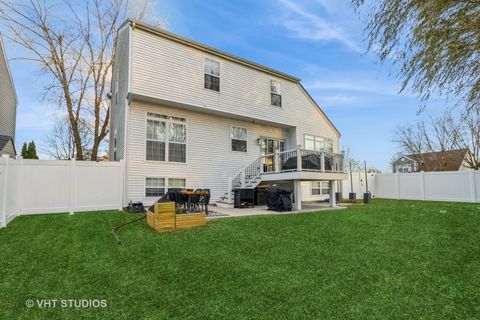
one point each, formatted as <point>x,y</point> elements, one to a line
<point>114,230</point>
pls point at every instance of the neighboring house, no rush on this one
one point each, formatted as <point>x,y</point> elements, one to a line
<point>451,160</point>
<point>187,115</point>
<point>8,106</point>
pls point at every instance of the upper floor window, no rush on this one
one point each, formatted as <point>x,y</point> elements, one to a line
<point>212,74</point>
<point>166,138</point>
<point>238,135</point>
<point>275,93</point>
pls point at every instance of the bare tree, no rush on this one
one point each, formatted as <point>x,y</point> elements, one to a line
<point>60,141</point>
<point>74,45</point>
<point>468,137</point>
<point>440,135</point>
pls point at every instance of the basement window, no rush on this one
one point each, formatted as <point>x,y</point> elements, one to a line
<point>320,188</point>
<point>154,187</point>
<point>212,74</point>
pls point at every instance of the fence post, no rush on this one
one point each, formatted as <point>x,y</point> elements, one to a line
<point>73,186</point>
<point>422,185</point>
<point>473,187</point>
<point>3,217</point>
<point>20,186</point>
<point>397,180</point>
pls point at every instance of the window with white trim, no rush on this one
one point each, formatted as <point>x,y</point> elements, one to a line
<point>318,143</point>
<point>166,138</point>
<point>238,136</point>
<point>154,187</point>
<point>275,93</point>
<point>212,74</point>
<point>320,188</point>
<point>404,168</point>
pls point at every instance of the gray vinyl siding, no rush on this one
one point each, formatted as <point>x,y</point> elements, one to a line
<point>170,71</point>
<point>120,75</point>
<point>210,161</point>
<point>8,101</point>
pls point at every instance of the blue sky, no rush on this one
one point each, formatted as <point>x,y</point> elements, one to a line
<point>320,41</point>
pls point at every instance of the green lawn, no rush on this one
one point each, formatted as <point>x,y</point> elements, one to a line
<point>387,260</point>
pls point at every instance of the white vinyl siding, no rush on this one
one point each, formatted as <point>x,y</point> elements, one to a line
<point>210,161</point>
<point>244,91</point>
<point>8,102</point>
<point>120,80</point>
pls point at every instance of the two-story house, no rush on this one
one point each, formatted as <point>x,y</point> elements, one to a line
<point>184,114</point>
<point>8,106</point>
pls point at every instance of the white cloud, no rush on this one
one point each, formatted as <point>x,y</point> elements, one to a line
<point>307,25</point>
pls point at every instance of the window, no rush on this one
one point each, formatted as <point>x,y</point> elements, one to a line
<point>238,136</point>
<point>154,187</point>
<point>176,183</point>
<point>403,168</point>
<point>166,138</point>
<point>320,188</point>
<point>212,74</point>
<point>177,143</point>
<point>318,143</point>
<point>156,140</point>
<point>275,93</point>
<point>313,143</point>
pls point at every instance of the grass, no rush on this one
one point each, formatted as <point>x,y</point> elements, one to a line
<point>387,260</point>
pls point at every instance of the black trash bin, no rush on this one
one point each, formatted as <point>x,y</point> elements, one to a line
<point>352,196</point>
<point>338,196</point>
<point>367,197</point>
<point>243,198</point>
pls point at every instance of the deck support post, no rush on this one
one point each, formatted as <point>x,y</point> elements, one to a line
<point>333,202</point>
<point>297,192</point>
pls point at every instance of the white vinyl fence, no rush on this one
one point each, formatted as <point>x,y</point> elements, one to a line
<point>53,186</point>
<point>456,186</point>
<point>359,185</point>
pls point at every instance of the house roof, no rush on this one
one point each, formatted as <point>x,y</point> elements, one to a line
<point>450,160</point>
<point>228,56</point>
<point>4,140</point>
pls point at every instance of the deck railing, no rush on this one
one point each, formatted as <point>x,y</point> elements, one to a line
<point>288,161</point>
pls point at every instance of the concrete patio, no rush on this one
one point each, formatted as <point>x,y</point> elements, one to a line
<point>218,212</point>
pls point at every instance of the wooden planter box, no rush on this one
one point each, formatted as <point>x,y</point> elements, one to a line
<point>165,219</point>
<point>190,220</point>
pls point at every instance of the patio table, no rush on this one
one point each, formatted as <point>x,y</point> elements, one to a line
<point>190,194</point>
